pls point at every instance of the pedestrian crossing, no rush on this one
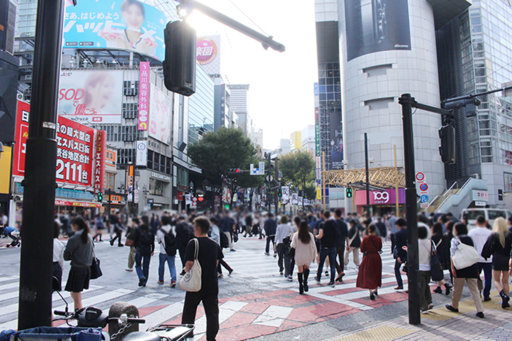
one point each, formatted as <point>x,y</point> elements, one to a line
<point>159,305</point>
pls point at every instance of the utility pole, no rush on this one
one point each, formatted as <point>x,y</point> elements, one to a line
<point>324,194</point>
<point>269,177</point>
<point>109,202</point>
<point>368,213</point>
<point>35,293</point>
<point>276,192</point>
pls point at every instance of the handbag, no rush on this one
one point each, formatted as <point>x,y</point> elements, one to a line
<point>465,256</point>
<point>95,266</point>
<point>192,280</point>
<point>435,267</point>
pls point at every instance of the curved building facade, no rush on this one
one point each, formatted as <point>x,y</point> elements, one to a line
<point>388,48</point>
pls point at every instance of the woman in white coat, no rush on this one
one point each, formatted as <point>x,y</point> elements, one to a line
<point>305,252</point>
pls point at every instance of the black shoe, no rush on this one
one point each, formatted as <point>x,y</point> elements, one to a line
<point>230,272</point>
<point>306,286</point>
<point>372,296</point>
<point>487,299</point>
<point>182,273</point>
<point>120,245</point>
<point>505,300</point>
<point>141,282</point>
<point>480,314</point>
<point>317,279</point>
<point>448,289</point>
<point>452,309</point>
<point>111,242</point>
<point>438,290</point>
<point>331,284</point>
<point>327,273</point>
<point>376,293</point>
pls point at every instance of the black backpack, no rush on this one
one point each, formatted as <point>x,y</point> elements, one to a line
<point>224,242</point>
<point>145,243</point>
<point>170,243</point>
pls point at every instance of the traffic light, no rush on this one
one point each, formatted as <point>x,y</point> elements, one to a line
<point>180,58</point>
<point>469,105</point>
<point>234,171</point>
<point>349,192</point>
<point>280,192</point>
<point>100,196</point>
<point>447,148</point>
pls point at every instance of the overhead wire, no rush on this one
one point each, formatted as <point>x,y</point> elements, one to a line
<point>238,8</point>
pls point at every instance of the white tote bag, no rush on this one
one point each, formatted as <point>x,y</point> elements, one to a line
<point>192,279</point>
<point>465,256</point>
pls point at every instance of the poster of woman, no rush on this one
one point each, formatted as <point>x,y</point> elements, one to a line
<point>160,110</point>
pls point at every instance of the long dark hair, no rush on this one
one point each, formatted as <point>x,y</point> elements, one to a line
<point>82,225</point>
<point>304,235</point>
<point>145,222</point>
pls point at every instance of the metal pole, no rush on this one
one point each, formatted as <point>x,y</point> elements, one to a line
<point>396,187</point>
<point>35,295</point>
<point>368,213</point>
<point>323,179</point>
<point>411,211</point>
<point>109,206</point>
<point>276,192</point>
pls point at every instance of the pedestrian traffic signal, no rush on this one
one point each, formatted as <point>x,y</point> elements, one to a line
<point>447,148</point>
<point>100,196</point>
<point>180,58</point>
<point>280,193</point>
<point>349,192</point>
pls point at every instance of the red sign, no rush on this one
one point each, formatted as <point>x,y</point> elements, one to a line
<point>75,149</point>
<point>180,196</point>
<point>77,203</point>
<point>99,167</point>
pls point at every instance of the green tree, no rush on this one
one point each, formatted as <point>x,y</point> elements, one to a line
<point>219,151</point>
<point>299,168</point>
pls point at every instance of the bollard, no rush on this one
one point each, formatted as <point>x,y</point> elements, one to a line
<point>116,310</point>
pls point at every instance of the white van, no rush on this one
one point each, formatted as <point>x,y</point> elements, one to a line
<point>490,214</point>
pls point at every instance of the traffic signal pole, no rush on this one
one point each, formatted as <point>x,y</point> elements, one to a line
<point>35,295</point>
<point>408,103</point>
<point>276,192</point>
<point>366,161</point>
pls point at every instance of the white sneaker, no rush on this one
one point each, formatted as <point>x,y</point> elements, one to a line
<point>128,269</point>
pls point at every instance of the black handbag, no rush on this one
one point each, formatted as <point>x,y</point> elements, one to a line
<point>95,266</point>
<point>435,266</point>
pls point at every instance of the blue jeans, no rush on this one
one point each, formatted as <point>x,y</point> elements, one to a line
<point>324,252</point>
<point>487,267</point>
<point>398,275</point>
<point>161,267</point>
<point>142,265</point>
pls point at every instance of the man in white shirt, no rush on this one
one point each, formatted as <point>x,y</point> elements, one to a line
<point>164,256</point>
<point>480,235</point>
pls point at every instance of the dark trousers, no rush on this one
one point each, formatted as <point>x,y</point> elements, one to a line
<point>487,267</point>
<point>324,252</point>
<point>118,233</point>
<point>211,308</point>
<point>225,265</point>
<point>392,242</point>
<point>280,256</point>
<point>269,239</point>
<point>340,262</point>
<point>142,265</point>
<point>182,251</point>
<point>289,264</point>
<point>398,275</point>
<point>425,294</point>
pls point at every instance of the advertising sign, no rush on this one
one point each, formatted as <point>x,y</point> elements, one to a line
<point>336,140</point>
<point>160,112</point>
<point>208,53</point>
<point>94,96</point>
<point>99,166</point>
<point>480,195</point>
<point>376,25</point>
<point>143,96</point>
<point>285,192</point>
<point>75,149</point>
<point>5,170</point>
<point>142,153</point>
<point>76,203</point>
<point>107,24</point>
<point>111,157</point>
<point>384,197</point>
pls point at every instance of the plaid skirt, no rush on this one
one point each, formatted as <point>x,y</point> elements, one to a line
<point>78,279</point>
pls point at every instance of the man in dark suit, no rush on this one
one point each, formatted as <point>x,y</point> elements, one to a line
<point>270,231</point>
<point>341,238</point>
<point>399,253</point>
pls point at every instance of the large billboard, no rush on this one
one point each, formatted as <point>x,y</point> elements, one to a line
<point>376,25</point>
<point>75,149</point>
<point>160,112</point>
<point>91,96</point>
<point>208,54</point>
<point>336,139</point>
<point>107,24</point>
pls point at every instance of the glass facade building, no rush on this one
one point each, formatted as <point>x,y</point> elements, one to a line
<point>475,55</point>
<point>201,107</point>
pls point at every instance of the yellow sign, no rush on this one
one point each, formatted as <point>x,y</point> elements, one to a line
<point>5,170</point>
<point>318,193</point>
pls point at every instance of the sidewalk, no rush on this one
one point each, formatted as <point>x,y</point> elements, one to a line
<point>440,324</point>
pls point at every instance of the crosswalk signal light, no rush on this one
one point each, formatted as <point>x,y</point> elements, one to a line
<point>280,193</point>
<point>180,58</point>
<point>447,148</point>
<point>349,192</point>
<point>100,196</point>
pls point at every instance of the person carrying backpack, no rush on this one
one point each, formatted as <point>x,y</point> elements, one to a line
<point>166,237</point>
<point>145,243</point>
<point>221,239</point>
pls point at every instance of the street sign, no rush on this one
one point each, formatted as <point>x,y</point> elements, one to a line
<point>480,203</point>
<point>420,178</point>
<point>424,204</point>
<point>270,178</point>
<point>424,198</point>
<point>423,187</point>
<point>258,171</point>
<point>194,199</point>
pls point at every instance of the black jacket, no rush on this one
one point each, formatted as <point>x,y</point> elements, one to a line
<point>400,241</point>
<point>270,227</point>
<point>341,233</point>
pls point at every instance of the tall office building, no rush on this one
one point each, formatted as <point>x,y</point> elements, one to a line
<point>308,139</point>
<point>240,105</point>
<point>386,48</point>
<point>295,141</point>
<point>475,54</point>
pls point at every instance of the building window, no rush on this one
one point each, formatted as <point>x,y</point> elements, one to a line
<point>168,166</point>
<point>156,161</point>
<point>150,159</point>
<point>111,181</point>
<point>156,187</point>
<point>507,179</point>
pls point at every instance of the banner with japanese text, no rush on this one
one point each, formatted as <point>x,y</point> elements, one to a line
<point>99,166</point>
<point>143,96</point>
